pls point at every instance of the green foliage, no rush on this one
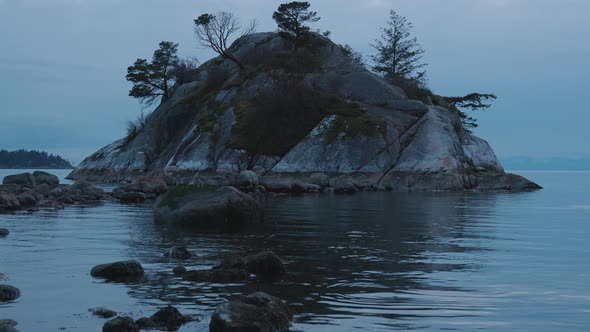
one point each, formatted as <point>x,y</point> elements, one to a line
<point>292,16</point>
<point>398,53</point>
<point>135,127</point>
<point>152,80</point>
<point>31,159</point>
<point>471,102</point>
<point>354,56</point>
<point>278,119</point>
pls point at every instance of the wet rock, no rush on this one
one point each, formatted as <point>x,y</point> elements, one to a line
<point>8,322</point>
<point>197,207</point>
<point>126,270</point>
<point>8,328</point>
<point>56,192</point>
<point>178,253</point>
<point>247,179</point>
<point>103,312</point>
<point>26,199</point>
<point>146,185</point>
<point>276,185</point>
<point>120,324</point>
<point>302,187</point>
<point>344,187</point>
<point>146,323</point>
<point>168,318</point>
<point>217,275</point>
<point>22,179</point>
<point>45,178</point>
<point>179,270</point>
<point>319,179</point>
<point>4,232</point>
<point>132,197</point>
<point>266,264</point>
<point>255,312</point>
<point>8,293</point>
<point>87,189</point>
<point>9,202</point>
<point>50,204</point>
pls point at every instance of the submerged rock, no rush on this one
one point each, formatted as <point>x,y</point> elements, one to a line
<point>257,312</point>
<point>125,270</point>
<point>8,293</point>
<point>194,206</point>
<point>178,253</point>
<point>168,318</point>
<point>266,264</point>
<point>4,232</point>
<point>120,324</point>
<point>179,270</point>
<point>217,275</point>
<point>103,312</point>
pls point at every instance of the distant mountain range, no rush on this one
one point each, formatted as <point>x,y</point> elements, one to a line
<point>31,159</point>
<point>547,163</point>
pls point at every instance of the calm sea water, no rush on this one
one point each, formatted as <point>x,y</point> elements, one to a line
<point>372,261</point>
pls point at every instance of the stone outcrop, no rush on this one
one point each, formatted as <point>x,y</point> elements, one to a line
<point>257,312</point>
<point>375,138</point>
<point>42,190</point>
<point>204,207</point>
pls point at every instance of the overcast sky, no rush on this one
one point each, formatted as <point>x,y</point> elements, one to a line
<point>63,63</point>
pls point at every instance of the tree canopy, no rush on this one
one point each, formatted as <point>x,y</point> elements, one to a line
<point>470,102</point>
<point>398,53</point>
<point>154,79</point>
<point>216,31</point>
<point>292,16</point>
<point>31,159</point>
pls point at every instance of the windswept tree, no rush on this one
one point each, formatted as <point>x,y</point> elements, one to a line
<point>398,53</point>
<point>152,80</point>
<point>470,102</point>
<point>291,18</point>
<point>217,31</point>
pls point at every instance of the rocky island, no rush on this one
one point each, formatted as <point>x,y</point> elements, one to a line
<point>294,115</point>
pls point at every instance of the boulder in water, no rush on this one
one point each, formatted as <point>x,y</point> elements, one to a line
<point>257,312</point>
<point>45,178</point>
<point>4,232</point>
<point>125,270</point>
<point>120,324</point>
<point>178,253</point>
<point>8,293</point>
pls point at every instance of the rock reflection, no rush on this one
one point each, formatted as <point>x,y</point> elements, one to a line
<point>374,259</point>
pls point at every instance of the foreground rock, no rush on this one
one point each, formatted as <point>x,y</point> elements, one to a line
<point>166,319</point>
<point>103,312</point>
<point>118,271</point>
<point>205,207</point>
<point>258,312</point>
<point>120,324</point>
<point>8,293</point>
<point>8,327</point>
<point>178,253</point>
<point>266,265</point>
<point>4,232</point>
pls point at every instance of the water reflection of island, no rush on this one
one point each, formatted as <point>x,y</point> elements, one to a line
<point>378,259</point>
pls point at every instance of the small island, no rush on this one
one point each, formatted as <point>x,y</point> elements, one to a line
<point>27,159</point>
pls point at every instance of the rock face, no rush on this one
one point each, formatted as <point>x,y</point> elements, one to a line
<point>258,312</point>
<point>199,207</point>
<point>367,130</point>
<point>118,271</point>
<point>8,293</point>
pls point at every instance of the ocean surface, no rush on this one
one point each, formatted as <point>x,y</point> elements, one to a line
<point>368,262</point>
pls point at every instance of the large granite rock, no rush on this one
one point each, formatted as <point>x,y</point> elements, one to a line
<point>22,179</point>
<point>381,135</point>
<point>198,207</point>
<point>257,312</point>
